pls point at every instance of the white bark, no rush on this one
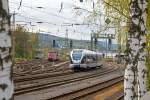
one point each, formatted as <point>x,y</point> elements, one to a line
<point>130,80</point>
<point>129,87</point>
<point>6,83</point>
<point>135,73</point>
<point>141,79</point>
<point>142,71</point>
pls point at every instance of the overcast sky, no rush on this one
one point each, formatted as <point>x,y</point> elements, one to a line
<point>53,17</point>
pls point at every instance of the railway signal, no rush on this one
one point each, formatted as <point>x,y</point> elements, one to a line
<point>54,43</point>
<point>91,42</point>
<point>71,43</point>
<point>109,43</point>
<point>95,43</point>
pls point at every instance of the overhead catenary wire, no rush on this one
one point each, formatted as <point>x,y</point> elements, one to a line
<point>61,7</point>
<point>69,19</point>
<point>50,22</point>
<point>57,16</point>
<point>48,13</point>
<point>73,30</point>
<point>52,15</point>
<point>41,21</point>
<point>64,24</point>
<point>46,22</point>
<point>20,4</point>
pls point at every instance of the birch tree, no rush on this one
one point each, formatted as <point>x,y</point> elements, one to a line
<point>135,72</point>
<point>118,12</point>
<point>6,83</point>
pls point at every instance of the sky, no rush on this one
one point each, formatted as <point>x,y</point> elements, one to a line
<point>54,19</point>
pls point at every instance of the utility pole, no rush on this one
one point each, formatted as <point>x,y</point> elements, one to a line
<point>67,38</point>
<point>95,41</point>
<point>107,54</point>
<point>91,41</point>
<point>81,42</point>
<point>13,35</point>
<point>24,51</point>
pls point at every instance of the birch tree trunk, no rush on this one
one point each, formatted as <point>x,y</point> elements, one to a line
<point>135,72</point>
<point>6,83</point>
<point>142,71</point>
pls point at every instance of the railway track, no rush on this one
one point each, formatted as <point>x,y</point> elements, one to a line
<point>41,86</point>
<point>75,91</point>
<point>60,81</point>
<point>35,67</point>
<point>120,97</point>
<point>43,75</point>
<point>79,94</point>
<point>46,75</point>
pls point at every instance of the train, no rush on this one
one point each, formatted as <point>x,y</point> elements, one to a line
<point>84,59</point>
<point>53,56</point>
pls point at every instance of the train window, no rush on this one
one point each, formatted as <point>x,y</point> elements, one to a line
<point>77,56</point>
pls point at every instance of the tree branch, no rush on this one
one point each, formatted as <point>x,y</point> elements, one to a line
<point>116,9</point>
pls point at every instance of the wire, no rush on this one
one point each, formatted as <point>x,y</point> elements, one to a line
<point>61,25</point>
<point>45,22</point>
<point>20,4</point>
<point>48,13</point>
<point>61,7</point>
<point>99,13</point>
<point>37,20</point>
<point>66,24</point>
<point>73,30</point>
<point>71,24</point>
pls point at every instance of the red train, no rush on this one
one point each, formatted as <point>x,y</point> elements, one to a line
<point>53,56</point>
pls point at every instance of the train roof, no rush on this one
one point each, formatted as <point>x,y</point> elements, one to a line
<point>85,51</point>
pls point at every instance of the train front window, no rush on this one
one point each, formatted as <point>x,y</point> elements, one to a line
<point>77,55</point>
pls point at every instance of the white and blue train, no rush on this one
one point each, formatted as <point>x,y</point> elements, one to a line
<point>84,59</point>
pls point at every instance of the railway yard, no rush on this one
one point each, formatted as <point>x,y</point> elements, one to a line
<point>74,49</point>
<point>44,80</point>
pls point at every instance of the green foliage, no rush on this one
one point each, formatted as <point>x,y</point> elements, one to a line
<point>117,9</point>
<point>25,43</point>
<point>148,17</point>
<point>33,45</point>
<point>148,60</point>
<point>120,10</point>
<point>21,37</point>
<point>148,45</point>
<point>118,13</point>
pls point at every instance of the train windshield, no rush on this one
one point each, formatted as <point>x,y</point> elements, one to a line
<point>77,55</point>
